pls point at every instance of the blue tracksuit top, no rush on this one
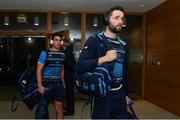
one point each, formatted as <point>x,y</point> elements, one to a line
<point>88,58</point>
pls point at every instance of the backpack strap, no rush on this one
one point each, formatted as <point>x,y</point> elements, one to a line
<point>130,105</point>
<point>103,41</point>
<point>14,108</point>
<point>101,44</point>
<point>121,41</point>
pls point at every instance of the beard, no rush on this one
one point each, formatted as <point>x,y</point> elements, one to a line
<point>115,29</point>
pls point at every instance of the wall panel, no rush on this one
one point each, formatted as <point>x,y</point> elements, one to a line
<point>162,84</point>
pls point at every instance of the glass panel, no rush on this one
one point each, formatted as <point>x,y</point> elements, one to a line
<point>94,24</point>
<point>17,54</point>
<point>71,22</point>
<point>31,45</point>
<point>23,21</point>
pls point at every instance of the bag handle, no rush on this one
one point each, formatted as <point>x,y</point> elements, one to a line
<point>14,107</point>
<point>130,105</point>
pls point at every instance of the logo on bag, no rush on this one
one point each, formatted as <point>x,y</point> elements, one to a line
<point>24,81</point>
<point>85,47</point>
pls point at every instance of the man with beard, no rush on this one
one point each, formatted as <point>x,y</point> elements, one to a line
<point>114,104</point>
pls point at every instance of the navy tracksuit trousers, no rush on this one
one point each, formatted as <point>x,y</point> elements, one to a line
<point>112,106</point>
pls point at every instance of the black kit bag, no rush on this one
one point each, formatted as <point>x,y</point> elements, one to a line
<point>94,83</point>
<point>27,86</point>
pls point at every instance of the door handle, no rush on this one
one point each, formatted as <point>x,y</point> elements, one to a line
<point>156,63</point>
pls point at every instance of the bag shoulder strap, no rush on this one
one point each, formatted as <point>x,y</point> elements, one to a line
<point>122,41</point>
<point>130,105</point>
<point>102,44</point>
<point>103,41</point>
<point>14,107</point>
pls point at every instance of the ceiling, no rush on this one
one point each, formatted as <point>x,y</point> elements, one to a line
<point>101,5</point>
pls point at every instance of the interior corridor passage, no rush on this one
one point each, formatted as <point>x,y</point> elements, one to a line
<point>143,109</point>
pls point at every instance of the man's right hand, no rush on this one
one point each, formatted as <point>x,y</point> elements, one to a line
<point>41,89</point>
<point>109,56</point>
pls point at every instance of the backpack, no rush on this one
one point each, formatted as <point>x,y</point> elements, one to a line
<point>27,88</point>
<point>96,82</point>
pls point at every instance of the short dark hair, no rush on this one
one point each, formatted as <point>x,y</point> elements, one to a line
<point>56,34</point>
<point>109,13</point>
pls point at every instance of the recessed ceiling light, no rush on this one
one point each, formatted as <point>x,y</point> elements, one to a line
<point>29,40</point>
<point>64,12</point>
<point>66,21</point>
<point>6,20</point>
<point>95,21</point>
<point>142,5</point>
<point>36,21</point>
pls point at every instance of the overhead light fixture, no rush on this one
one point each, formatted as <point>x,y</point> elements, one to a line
<point>6,20</point>
<point>36,20</point>
<point>64,13</point>
<point>142,5</point>
<point>66,21</point>
<point>29,40</point>
<point>95,21</point>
